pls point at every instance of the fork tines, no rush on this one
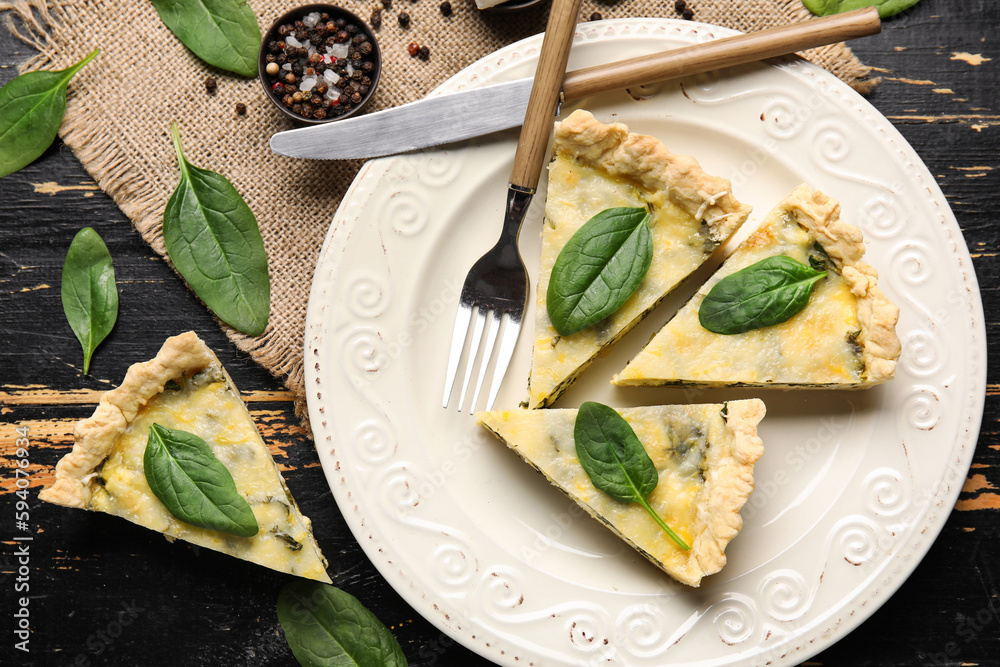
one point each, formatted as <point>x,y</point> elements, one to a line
<point>511,328</point>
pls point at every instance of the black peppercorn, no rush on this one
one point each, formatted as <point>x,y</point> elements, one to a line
<point>404,19</point>
<point>424,53</point>
<point>387,4</point>
<point>376,18</point>
<point>287,101</point>
<point>445,8</point>
<point>596,16</point>
<point>284,30</point>
<point>343,99</point>
<point>366,66</point>
<point>322,87</point>
<point>319,114</point>
<point>352,29</point>
<point>297,108</point>
<point>356,97</point>
<point>211,85</point>
<point>365,48</point>
<point>241,109</point>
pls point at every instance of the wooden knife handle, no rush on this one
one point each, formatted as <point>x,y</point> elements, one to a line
<point>720,53</point>
<point>531,147</point>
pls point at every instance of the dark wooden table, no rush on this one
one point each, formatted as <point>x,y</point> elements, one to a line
<point>103,591</point>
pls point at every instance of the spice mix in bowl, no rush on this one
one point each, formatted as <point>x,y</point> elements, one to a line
<point>319,63</point>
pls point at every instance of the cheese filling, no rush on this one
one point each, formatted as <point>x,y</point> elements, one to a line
<point>207,405</point>
<point>576,193</point>
<point>677,439</point>
<point>817,346</point>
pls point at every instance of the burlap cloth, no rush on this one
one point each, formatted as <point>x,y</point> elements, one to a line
<point>120,107</point>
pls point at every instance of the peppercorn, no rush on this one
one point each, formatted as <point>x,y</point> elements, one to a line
<point>344,99</point>
<point>290,78</point>
<point>387,4</point>
<point>353,29</point>
<point>319,114</point>
<point>297,108</point>
<point>424,53</point>
<point>356,97</point>
<point>287,101</point>
<point>404,19</point>
<point>284,30</point>
<point>343,36</point>
<point>297,96</point>
<point>272,68</point>
<point>365,48</point>
<point>366,66</point>
<point>322,87</point>
<point>278,88</point>
<point>297,69</point>
<point>211,85</point>
<point>596,16</point>
<point>445,8</point>
<point>376,18</point>
<point>241,109</point>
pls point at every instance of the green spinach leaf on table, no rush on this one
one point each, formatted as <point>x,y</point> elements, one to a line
<point>223,33</point>
<point>763,294</point>
<point>616,462</point>
<point>886,8</point>
<point>327,627</point>
<point>213,239</point>
<point>599,268</point>
<point>31,108</point>
<point>89,292</point>
<point>193,484</point>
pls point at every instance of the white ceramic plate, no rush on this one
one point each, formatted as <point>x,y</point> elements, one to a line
<point>853,486</point>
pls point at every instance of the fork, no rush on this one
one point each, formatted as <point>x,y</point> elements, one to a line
<point>496,288</point>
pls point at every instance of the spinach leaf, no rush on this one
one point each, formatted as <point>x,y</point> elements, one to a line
<point>223,33</point>
<point>89,293</point>
<point>616,461</point>
<point>327,627</point>
<point>761,295</point>
<point>187,477</point>
<point>599,268</point>
<point>213,239</point>
<point>31,108</point>
<point>886,8</point>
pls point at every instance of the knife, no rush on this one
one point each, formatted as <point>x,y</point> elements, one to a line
<point>442,119</point>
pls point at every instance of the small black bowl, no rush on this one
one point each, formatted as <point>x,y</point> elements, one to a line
<point>361,84</point>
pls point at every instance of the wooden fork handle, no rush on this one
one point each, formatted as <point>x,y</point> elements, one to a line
<point>719,53</point>
<point>531,147</point>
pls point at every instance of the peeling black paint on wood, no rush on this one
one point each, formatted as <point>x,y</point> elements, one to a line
<point>91,573</point>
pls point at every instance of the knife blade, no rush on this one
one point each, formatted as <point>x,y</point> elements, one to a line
<point>446,118</point>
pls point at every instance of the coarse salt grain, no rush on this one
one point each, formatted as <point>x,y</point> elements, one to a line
<point>329,75</point>
<point>311,19</point>
<point>308,83</point>
<point>291,41</point>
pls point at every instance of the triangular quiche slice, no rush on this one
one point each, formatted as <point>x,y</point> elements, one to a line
<point>704,456</point>
<point>845,337</point>
<point>598,166</point>
<point>185,387</point>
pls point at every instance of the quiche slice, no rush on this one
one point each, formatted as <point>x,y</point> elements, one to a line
<point>597,167</point>
<point>704,455</point>
<point>184,387</point>
<point>845,337</point>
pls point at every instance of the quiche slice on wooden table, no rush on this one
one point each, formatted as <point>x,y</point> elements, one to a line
<point>600,166</point>
<point>843,337</point>
<point>185,389</point>
<point>704,457</point>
